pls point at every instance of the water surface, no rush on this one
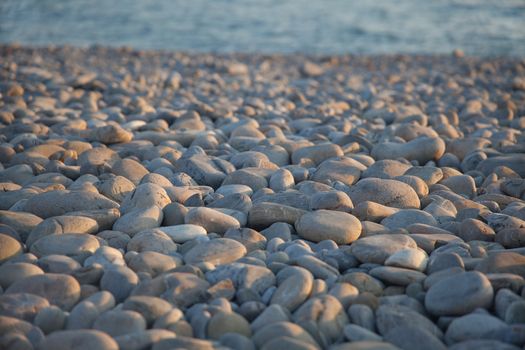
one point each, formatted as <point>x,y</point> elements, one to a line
<point>479,27</point>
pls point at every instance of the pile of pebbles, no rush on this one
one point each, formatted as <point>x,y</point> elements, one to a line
<point>155,200</point>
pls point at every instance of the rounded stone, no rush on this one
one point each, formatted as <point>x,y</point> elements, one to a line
<point>130,169</point>
<point>15,341</point>
<point>174,214</point>
<point>475,230</point>
<point>151,308</point>
<point>503,262</point>
<point>422,149</point>
<point>322,316</point>
<point>363,316</point>
<point>22,305</point>
<point>169,319</point>
<point>85,339</point>
<point>355,333</point>
<point>460,184</point>
<point>115,188</point>
<point>294,290</point>
<point>331,200</point>
<point>184,342</point>
<point>364,283</point>
<point>119,281</point>
<point>406,217</point>
<point>145,196</point>
<point>183,233</point>
<point>281,180</point>
<point>444,261</point>
<point>316,226</point>
<point>89,274</point>
<point>396,275</point>
<point>105,256</point>
<point>387,192</point>
<point>373,212</point>
<point>275,330</point>
<point>120,322</point>
<point>12,272</point>
<point>511,237</point>
<point>9,231</point>
<point>251,239</point>
<point>58,264</point>
<point>83,314</point>
<point>472,326</point>
<point>212,220</point>
<point>222,323</point>
<point>346,171</point>
<point>139,219</point>
<point>234,189</point>
<point>429,174</point>
<point>272,314</point>
<point>288,343</point>
<point>60,290</point>
<point>255,178</point>
<point>416,183</point>
<point>459,294</point>
<point>182,289</point>
<point>69,244</point>
<point>105,218</point>
<point>513,161</point>
<point>216,251</point>
<point>236,341</point>
<point>23,223</point>
<point>386,169</point>
<point>153,263</point>
<point>60,202</point>
<point>414,337</point>
<point>9,247</point>
<point>378,248</point>
<point>344,292</point>
<point>50,319</point>
<point>483,344</point>
<point>144,339</point>
<point>28,332</point>
<point>515,312</point>
<point>415,259</point>
<point>62,224</point>
<point>316,153</point>
<point>389,317</point>
<point>265,214</point>
<point>152,240</point>
<point>110,134</point>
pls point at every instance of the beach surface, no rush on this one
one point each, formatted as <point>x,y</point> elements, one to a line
<point>161,200</point>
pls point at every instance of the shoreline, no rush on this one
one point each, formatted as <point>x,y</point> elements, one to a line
<point>457,53</point>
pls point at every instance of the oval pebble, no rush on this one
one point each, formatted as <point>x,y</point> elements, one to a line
<point>387,192</point>
<point>216,251</point>
<point>59,289</point>
<point>459,294</point>
<point>68,244</point>
<point>316,226</point>
<point>85,339</point>
<point>9,247</point>
<point>183,233</point>
<point>378,248</point>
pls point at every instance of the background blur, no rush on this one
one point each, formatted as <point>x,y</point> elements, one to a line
<point>478,27</point>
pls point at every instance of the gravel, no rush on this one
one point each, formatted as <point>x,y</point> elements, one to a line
<point>164,199</point>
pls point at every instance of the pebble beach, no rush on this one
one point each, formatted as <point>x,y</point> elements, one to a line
<point>164,200</point>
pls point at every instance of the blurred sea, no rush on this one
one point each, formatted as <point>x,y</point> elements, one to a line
<point>478,27</point>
